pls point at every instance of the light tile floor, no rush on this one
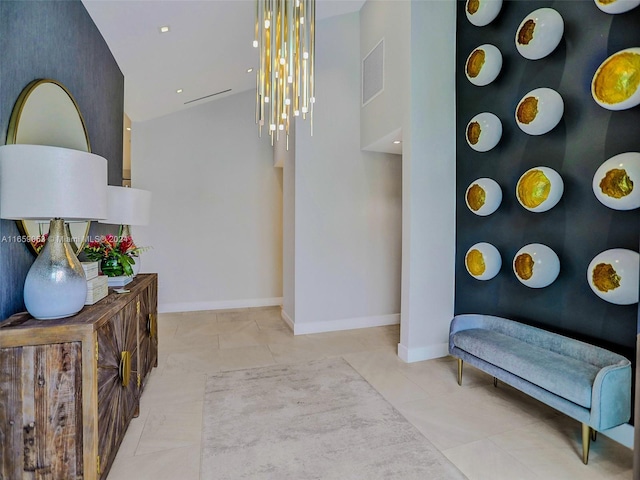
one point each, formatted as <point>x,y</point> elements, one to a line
<point>488,433</point>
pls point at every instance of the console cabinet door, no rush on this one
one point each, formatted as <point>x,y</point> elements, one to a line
<point>117,382</point>
<point>41,412</point>
<point>148,328</point>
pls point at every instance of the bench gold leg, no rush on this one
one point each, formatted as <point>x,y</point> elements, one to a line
<point>460,371</point>
<point>586,438</point>
<point>594,435</point>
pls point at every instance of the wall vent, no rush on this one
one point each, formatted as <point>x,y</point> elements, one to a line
<point>373,73</point>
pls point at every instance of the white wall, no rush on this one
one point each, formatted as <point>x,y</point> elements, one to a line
<point>288,160</point>
<point>389,20</point>
<point>216,221</point>
<point>347,202</point>
<point>429,171</point>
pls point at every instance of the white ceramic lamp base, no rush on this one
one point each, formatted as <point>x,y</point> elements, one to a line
<point>56,286</point>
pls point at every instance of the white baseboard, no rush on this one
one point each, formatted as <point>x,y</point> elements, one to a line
<point>287,319</point>
<point>219,305</point>
<point>410,355</point>
<point>344,324</point>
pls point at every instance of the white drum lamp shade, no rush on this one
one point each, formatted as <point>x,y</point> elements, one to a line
<point>44,182</point>
<point>127,206</point>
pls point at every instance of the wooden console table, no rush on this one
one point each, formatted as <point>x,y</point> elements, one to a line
<point>69,387</point>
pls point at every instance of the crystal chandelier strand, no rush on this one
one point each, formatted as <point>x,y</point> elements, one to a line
<point>305,58</point>
<point>312,54</point>
<point>272,53</point>
<point>256,44</point>
<point>296,84</point>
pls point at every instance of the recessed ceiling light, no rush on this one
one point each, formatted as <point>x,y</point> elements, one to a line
<point>249,70</point>
<point>164,29</point>
<point>179,90</point>
<point>128,129</point>
<point>397,142</point>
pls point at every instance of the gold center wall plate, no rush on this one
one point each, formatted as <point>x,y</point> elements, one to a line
<point>483,261</point>
<point>525,34</point>
<point>523,266</point>
<point>605,278</point>
<point>613,276</point>
<point>539,189</point>
<point>475,262</point>
<point>536,265</point>
<point>533,188</point>
<point>527,110</point>
<point>473,132</point>
<point>615,182</point>
<point>475,62</point>
<point>472,7</point>
<point>616,82</point>
<point>476,197</point>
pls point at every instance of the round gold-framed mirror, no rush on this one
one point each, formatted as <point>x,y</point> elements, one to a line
<point>46,113</point>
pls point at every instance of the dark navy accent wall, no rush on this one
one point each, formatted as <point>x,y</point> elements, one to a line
<point>579,227</point>
<point>58,40</point>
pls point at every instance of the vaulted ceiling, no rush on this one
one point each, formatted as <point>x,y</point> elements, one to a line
<point>208,48</point>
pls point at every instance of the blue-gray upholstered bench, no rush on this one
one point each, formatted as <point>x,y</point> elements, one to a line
<point>585,382</point>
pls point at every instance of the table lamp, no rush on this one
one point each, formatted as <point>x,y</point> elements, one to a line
<point>45,182</point>
<point>128,206</point>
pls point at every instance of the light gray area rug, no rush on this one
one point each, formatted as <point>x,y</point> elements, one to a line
<point>319,420</point>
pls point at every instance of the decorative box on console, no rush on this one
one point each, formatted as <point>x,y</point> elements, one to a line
<point>120,281</point>
<point>91,269</point>
<point>97,289</point>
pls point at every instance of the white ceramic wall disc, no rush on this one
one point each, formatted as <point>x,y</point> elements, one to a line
<point>482,12</point>
<point>539,111</point>
<point>616,83</point>
<point>483,132</point>
<point>539,33</point>
<point>483,261</point>
<point>483,65</point>
<point>615,7</point>
<point>536,265</point>
<point>613,276</point>
<point>539,189</point>
<point>616,183</point>
<point>483,196</point>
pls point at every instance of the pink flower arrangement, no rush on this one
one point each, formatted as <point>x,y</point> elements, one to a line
<point>116,254</point>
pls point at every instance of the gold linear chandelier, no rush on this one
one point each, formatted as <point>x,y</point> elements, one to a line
<point>285,37</point>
